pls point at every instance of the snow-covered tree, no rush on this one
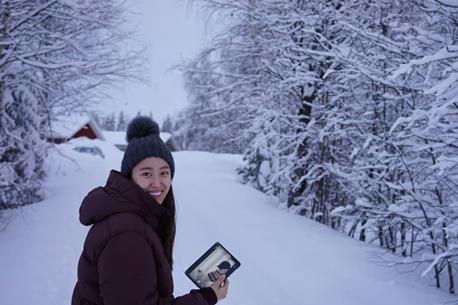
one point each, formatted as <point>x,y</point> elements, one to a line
<point>55,57</point>
<point>348,110</point>
<point>204,125</point>
<point>122,122</point>
<point>109,122</point>
<point>167,124</point>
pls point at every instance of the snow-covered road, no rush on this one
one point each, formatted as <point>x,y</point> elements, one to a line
<point>286,259</point>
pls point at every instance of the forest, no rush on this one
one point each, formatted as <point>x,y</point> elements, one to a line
<point>345,110</point>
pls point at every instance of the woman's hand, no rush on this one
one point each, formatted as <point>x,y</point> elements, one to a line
<point>220,287</point>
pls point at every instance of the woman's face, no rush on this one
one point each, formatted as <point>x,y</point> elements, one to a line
<point>153,176</point>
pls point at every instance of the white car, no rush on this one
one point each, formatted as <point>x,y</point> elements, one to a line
<point>93,150</point>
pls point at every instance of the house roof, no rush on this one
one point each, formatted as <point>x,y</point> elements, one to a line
<point>119,137</point>
<point>67,126</point>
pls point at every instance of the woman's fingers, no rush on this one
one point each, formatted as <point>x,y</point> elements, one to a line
<point>220,287</point>
<point>213,275</point>
<point>220,279</point>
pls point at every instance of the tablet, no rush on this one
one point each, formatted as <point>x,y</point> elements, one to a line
<point>216,260</point>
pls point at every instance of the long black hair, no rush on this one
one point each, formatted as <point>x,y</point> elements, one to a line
<point>168,223</point>
<point>168,233</point>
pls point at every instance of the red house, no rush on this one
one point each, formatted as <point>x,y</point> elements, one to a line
<point>65,128</point>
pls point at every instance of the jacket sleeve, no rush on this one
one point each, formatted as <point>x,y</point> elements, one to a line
<point>127,275</point>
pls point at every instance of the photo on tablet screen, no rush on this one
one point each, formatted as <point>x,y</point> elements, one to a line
<point>217,260</point>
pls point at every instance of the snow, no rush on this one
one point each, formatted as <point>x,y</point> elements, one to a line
<point>286,259</point>
<point>446,52</point>
<point>115,137</point>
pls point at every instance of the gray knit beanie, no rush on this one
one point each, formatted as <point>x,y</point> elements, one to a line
<point>143,142</point>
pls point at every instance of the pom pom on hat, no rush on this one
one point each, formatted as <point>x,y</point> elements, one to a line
<point>143,142</point>
<point>140,127</point>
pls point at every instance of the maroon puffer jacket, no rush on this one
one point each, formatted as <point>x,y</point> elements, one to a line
<point>123,261</point>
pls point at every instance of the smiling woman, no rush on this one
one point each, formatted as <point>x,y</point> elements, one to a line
<point>153,176</point>
<point>127,255</point>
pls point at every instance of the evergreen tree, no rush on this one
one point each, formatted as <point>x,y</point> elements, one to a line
<point>110,122</point>
<point>122,123</point>
<point>167,124</point>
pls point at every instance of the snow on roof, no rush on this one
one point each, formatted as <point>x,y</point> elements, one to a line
<point>115,137</point>
<point>66,126</point>
<point>119,137</point>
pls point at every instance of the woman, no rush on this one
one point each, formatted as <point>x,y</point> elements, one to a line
<point>127,255</point>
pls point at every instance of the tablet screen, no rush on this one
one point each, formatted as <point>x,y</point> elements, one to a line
<point>216,260</point>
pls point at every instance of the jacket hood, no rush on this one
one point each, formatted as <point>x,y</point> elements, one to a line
<point>120,195</point>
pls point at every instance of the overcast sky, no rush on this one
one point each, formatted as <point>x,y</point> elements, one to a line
<point>174,30</point>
